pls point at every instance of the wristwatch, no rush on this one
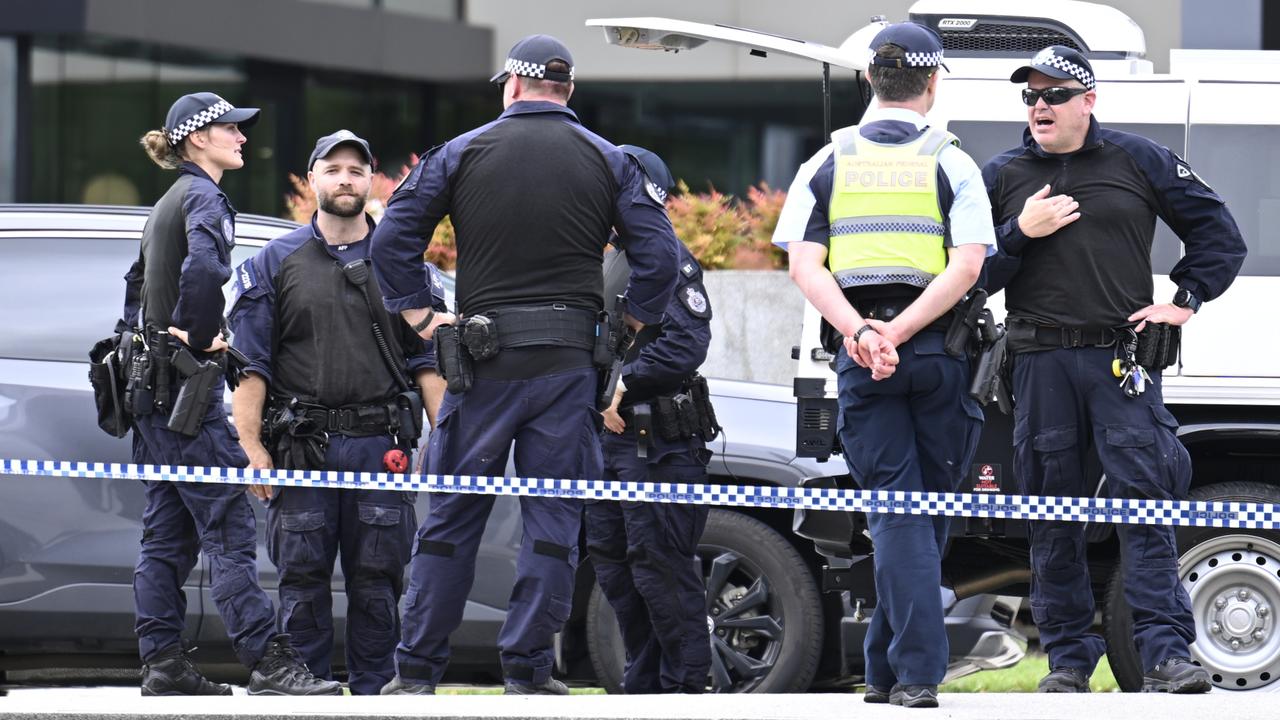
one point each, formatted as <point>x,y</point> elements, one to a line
<point>1184,298</point>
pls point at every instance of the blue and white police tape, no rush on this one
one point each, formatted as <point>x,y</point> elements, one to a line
<point>1254,516</point>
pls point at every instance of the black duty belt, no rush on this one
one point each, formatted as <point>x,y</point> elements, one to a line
<point>545,325</point>
<point>353,420</point>
<point>887,309</point>
<point>1022,332</point>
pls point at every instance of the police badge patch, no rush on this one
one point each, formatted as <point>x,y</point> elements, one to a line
<point>694,298</point>
<point>228,231</point>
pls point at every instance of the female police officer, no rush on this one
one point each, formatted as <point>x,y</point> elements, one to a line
<point>174,300</point>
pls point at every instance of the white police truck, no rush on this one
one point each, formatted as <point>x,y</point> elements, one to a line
<point>1221,111</point>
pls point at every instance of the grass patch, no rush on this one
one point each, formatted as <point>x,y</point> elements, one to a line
<point>1024,676</point>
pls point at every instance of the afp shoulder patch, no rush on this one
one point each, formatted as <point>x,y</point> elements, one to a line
<point>658,194</point>
<point>694,298</point>
<point>1184,172</point>
<point>228,231</point>
<point>245,281</point>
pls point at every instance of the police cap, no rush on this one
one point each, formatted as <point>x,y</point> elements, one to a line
<point>194,111</point>
<point>654,168</point>
<point>530,58</point>
<point>328,143</point>
<point>922,46</point>
<point>1058,61</point>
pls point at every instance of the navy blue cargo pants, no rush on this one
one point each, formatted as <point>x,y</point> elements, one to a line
<point>1067,401</point>
<point>182,519</point>
<point>553,423</point>
<point>915,431</point>
<point>645,560</point>
<point>373,529</point>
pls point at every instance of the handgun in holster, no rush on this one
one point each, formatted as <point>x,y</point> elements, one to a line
<point>614,338</point>
<point>454,360</point>
<point>200,379</point>
<point>963,332</point>
<point>989,382</point>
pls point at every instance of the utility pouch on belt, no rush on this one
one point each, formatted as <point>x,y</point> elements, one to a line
<point>706,426</point>
<point>1158,345</point>
<point>963,332</point>
<point>408,418</point>
<point>106,375</point>
<point>454,359</point>
<point>199,380</point>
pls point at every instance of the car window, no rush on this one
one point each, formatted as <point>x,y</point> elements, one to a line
<point>984,140</point>
<point>61,294</point>
<point>1242,163</point>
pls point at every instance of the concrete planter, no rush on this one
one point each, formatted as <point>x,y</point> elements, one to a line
<point>756,318</point>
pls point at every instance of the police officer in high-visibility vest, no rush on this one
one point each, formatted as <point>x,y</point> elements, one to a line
<point>887,229</point>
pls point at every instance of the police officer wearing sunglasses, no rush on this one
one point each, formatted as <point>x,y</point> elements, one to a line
<point>1075,208</point>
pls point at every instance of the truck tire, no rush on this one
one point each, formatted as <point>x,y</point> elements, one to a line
<point>1239,569</point>
<point>763,607</point>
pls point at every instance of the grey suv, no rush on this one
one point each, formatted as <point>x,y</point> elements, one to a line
<point>68,546</point>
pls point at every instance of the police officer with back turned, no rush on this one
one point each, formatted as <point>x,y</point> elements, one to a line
<point>887,228</point>
<point>656,431</point>
<point>173,303</point>
<point>532,196</point>
<point>1075,207</point>
<point>334,382</point>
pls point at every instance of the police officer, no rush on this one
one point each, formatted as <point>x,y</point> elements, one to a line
<point>532,196</point>
<point>174,300</point>
<point>644,553</point>
<point>887,229</point>
<point>1075,207</point>
<point>336,396</point>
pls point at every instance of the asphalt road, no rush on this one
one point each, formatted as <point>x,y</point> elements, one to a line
<point>124,703</point>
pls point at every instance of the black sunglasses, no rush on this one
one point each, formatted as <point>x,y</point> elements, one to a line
<point>1051,95</point>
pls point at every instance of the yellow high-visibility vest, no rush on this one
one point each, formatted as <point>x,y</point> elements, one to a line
<point>886,223</point>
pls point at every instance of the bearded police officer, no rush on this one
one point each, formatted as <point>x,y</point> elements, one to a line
<point>173,303</point>
<point>341,384</point>
<point>887,228</point>
<point>656,431</point>
<point>1075,207</point>
<point>532,196</point>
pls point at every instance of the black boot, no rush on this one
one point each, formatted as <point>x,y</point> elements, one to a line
<point>171,672</point>
<point>282,672</point>
<point>914,696</point>
<point>1064,680</point>
<point>1176,675</point>
<point>551,687</point>
<point>398,686</point>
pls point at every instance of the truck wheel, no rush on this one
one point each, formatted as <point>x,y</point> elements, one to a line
<point>1233,578</point>
<point>763,609</point>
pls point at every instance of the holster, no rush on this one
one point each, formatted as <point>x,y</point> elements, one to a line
<point>294,439</point>
<point>990,379</point>
<point>453,359</point>
<point>199,378</point>
<point>614,337</point>
<point>1158,346</point>
<point>963,332</point>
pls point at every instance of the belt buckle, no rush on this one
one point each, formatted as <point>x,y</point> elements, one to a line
<point>1072,337</point>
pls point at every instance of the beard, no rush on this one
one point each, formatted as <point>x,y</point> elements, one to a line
<point>342,205</point>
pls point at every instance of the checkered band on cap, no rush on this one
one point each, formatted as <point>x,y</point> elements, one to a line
<point>199,120</point>
<point>932,59</point>
<point>529,69</point>
<point>1047,57</point>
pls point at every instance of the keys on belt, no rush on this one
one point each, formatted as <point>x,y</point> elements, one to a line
<point>1133,377</point>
